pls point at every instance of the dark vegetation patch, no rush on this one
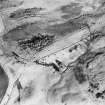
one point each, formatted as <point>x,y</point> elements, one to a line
<point>37,43</point>
<point>101,94</point>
